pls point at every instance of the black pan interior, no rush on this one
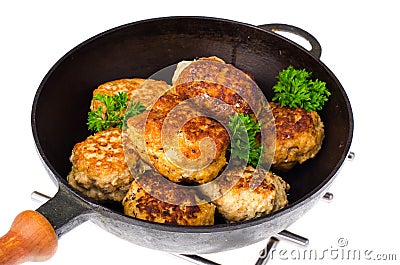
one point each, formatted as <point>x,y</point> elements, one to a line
<point>140,49</point>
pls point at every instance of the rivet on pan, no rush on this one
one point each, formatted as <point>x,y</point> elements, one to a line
<point>351,155</point>
<point>328,196</point>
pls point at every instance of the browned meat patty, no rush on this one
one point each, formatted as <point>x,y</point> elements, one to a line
<point>213,78</point>
<point>299,136</point>
<point>228,101</point>
<point>249,193</point>
<point>99,169</point>
<point>149,92</point>
<point>145,91</point>
<point>139,203</point>
<point>181,147</point>
<point>114,87</point>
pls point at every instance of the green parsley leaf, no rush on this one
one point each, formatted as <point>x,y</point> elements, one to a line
<point>111,113</point>
<point>134,109</point>
<point>243,130</point>
<point>295,89</point>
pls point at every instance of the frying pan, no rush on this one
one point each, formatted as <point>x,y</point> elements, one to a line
<point>140,49</point>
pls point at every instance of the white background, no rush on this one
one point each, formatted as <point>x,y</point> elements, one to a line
<point>360,45</point>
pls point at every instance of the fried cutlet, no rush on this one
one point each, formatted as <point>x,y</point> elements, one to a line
<point>178,141</point>
<point>246,193</point>
<point>99,169</point>
<point>116,86</point>
<point>142,201</point>
<point>213,78</point>
<point>299,136</point>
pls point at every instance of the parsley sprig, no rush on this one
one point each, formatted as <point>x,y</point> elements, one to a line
<point>112,111</point>
<point>134,109</point>
<point>243,129</point>
<point>295,89</point>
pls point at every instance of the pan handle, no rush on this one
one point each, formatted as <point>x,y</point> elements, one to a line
<point>30,238</point>
<point>33,235</point>
<point>316,49</point>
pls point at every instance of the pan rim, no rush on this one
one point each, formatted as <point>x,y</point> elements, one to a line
<point>60,181</point>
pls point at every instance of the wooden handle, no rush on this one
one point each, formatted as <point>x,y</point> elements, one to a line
<point>31,238</point>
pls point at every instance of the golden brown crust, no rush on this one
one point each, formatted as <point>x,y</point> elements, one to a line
<point>140,204</point>
<point>211,75</point>
<point>216,91</point>
<point>211,58</point>
<point>116,86</point>
<point>149,92</point>
<point>99,169</point>
<point>177,152</point>
<point>249,193</point>
<point>299,135</point>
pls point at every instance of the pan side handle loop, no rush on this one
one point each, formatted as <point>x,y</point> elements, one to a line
<point>316,49</point>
